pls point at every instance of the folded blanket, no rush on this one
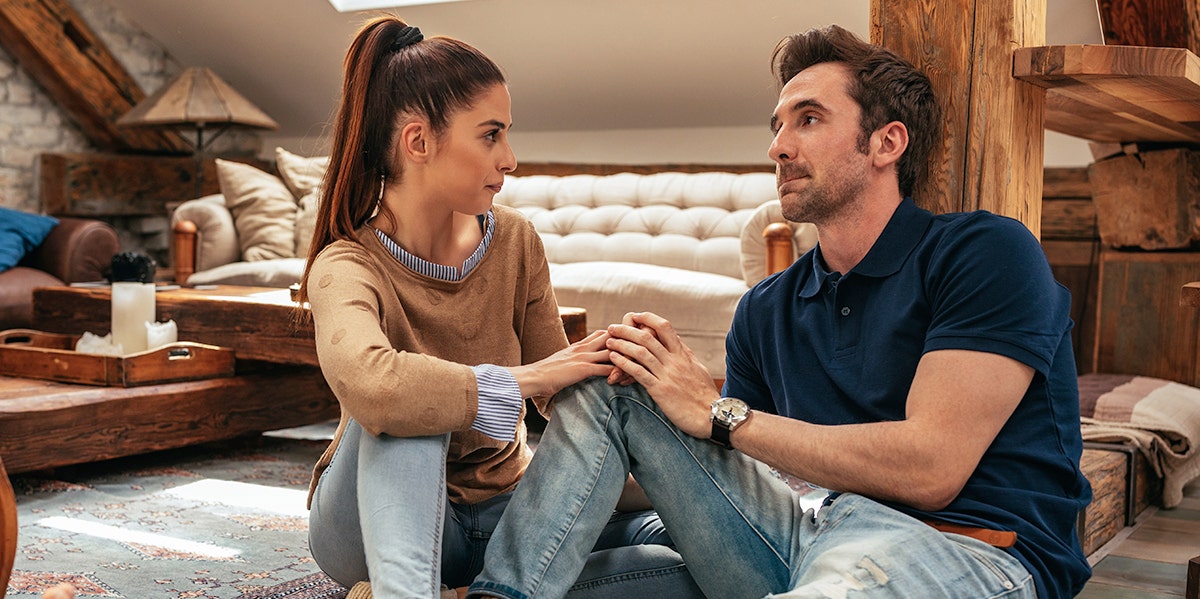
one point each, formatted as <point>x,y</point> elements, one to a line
<point>1159,417</point>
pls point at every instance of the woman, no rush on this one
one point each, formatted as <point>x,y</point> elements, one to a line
<point>434,318</point>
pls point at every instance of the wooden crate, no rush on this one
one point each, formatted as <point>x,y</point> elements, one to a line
<point>94,184</point>
<point>1123,486</point>
<point>1104,517</point>
<point>1141,328</point>
<point>1148,200</point>
<point>46,356</point>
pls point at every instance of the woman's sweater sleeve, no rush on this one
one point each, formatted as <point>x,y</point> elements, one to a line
<point>542,332</point>
<point>400,393</point>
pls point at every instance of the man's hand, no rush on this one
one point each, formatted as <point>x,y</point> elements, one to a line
<point>618,376</point>
<point>646,347</point>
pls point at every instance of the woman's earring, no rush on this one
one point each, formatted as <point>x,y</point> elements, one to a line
<point>382,184</point>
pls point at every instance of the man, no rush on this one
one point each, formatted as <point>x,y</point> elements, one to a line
<point>918,366</point>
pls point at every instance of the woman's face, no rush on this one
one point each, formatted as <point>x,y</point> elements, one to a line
<point>472,155</point>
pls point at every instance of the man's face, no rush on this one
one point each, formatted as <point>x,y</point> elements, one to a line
<point>820,169</point>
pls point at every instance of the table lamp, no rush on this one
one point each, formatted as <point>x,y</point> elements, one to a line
<point>197,98</point>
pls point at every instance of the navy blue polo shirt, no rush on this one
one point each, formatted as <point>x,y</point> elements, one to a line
<point>831,348</point>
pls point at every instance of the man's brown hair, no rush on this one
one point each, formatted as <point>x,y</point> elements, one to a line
<point>886,87</point>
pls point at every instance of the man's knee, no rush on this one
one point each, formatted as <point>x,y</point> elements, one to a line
<point>597,392</point>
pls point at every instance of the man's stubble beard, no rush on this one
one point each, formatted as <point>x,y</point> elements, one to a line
<point>820,202</point>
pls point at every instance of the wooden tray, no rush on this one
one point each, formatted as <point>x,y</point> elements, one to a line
<point>36,355</point>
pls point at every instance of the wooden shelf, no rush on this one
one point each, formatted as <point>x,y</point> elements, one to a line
<point>1116,93</point>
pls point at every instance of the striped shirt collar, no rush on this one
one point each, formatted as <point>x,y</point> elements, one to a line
<point>439,271</point>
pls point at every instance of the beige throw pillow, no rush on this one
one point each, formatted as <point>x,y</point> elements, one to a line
<point>306,222</point>
<point>301,174</point>
<point>263,208</point>
<point>303,177</point>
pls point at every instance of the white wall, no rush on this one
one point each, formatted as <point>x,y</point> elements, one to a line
<point>717,145</point>
<point>1064,150</point>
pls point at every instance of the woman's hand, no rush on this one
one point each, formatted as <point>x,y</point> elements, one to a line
<point>618,376</point>
<point>585,358</point>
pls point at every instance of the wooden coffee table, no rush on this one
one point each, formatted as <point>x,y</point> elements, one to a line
<point>257,322</point>
<point>44,424</point>
<point>277,383</point>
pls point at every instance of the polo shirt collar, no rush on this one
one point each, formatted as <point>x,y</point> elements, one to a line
<point>898,239</point>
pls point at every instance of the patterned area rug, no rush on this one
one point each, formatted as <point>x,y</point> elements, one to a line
<point>222,520</point>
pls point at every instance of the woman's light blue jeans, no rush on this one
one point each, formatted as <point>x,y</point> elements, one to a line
<point>739,528</point>
<point>380,513</point>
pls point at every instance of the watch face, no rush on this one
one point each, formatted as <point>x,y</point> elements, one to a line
<point>730,410</point>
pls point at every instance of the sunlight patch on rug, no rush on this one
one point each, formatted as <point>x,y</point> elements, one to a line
<point>142,541</point>
<point>285,502</point>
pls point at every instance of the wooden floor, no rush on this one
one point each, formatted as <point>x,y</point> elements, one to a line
<point>1149,560</point>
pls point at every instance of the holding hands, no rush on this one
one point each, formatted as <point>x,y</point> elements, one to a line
<point>646,348</point>
<point>585,358</point>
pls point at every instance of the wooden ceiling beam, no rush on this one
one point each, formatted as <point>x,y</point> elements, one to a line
<point>53,43</point>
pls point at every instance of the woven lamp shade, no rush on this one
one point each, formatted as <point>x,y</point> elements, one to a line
<point>197,97</point>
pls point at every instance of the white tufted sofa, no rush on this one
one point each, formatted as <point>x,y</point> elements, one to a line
<point>686,246</point>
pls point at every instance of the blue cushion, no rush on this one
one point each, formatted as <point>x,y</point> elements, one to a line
<point>19,233</point>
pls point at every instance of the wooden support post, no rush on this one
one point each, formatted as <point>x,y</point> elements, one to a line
<point>992,155</point>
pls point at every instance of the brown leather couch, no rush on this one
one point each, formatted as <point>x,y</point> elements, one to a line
<point>76,250</point>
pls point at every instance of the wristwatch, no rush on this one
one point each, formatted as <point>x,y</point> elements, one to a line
<point>728,413</point>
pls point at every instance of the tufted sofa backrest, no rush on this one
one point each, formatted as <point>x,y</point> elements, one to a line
<point>692,221</point>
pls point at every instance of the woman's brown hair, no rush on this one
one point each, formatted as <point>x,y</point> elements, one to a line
<point>391,73</point>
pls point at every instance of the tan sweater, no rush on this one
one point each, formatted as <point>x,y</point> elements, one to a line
<point>396,347</point>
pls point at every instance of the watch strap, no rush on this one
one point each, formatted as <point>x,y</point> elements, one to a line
<point>720,435</point>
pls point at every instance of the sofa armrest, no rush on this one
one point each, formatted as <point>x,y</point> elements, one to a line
<point>771,243</point>
<point>183,247</point>
<point>781,251</point>
<point>77,249</point>
<point>204,236</point>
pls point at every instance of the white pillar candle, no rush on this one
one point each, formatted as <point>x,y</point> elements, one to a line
<point>159,334</point>
<point>132,308</point>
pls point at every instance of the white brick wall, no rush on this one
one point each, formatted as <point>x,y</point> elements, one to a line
<point>31,123</point>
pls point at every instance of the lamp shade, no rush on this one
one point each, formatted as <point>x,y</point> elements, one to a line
<point>197,97</point>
